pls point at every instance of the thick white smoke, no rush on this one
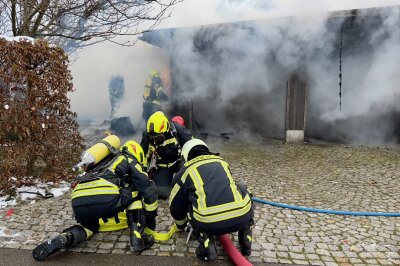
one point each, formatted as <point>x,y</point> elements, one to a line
<point>98,64</point>
<point>239,72</point>
<point>236,74</point>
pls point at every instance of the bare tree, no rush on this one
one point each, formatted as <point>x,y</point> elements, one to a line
<point>75,23</point>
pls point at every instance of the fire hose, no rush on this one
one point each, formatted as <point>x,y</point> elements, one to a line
<point>234,254</point>
<point>339,212</point>
<point>236,257</point>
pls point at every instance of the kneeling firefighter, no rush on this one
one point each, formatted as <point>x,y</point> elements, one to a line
<point>162,142</point>
<point>121,186</point>
<point>205,189</point>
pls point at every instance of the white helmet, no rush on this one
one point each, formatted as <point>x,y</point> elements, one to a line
<point>190,145</point>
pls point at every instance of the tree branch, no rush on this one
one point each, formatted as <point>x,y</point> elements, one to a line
<point>74,23</point>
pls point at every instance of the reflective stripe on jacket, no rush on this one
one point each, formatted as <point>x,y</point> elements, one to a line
<point>206,189</point>
<point>169,151</point>
<point>132,179</point>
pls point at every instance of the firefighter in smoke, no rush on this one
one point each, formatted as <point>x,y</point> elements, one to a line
<point>204,189</point>
<point>121,185</point>
<point>154,93</point>
<point>162,142</point>
<point>179,120</point>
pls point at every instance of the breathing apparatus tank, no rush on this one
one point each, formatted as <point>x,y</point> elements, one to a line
<point>97,152</point>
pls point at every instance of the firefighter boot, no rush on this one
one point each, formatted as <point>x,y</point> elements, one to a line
<point>245,239</point>
<point>207,250</point>
<point>139,240</point>
<point>69,238</point>
<point>50,247</point>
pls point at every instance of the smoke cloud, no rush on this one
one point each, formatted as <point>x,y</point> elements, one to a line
<point>95,67</point>
<point>116,89</point>
<point>236,74</point>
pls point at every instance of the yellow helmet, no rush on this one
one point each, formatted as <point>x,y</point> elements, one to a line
<point>136,150</point>
<point>189,145</point>
<point>154,73</point>
<point>157,123</point>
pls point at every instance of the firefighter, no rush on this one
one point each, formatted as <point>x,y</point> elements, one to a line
<point>154,93</point>
<point>162,142</point>
<point>205,195</point>
<point>122,185</point>
<point>179,120</point>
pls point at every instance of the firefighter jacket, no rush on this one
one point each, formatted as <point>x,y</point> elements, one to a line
<point>154,91</point>
<point>124,179</point>
<point>205,189</point>
<point>168,152</point>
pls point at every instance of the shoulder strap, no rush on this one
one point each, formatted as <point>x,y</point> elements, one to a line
<point>101,166</point>
<point>174,133</point>
<point>110,147</point>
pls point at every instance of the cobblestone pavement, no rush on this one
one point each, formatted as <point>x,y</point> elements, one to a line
<point>340,177</point>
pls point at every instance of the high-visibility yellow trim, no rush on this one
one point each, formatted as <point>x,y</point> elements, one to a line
<point>137,234</point>
<point>94,192</point>
<point>240,206</point>
<point>181,222</point>
<point>173,193</point>
<point>203,158</point>
<point>112,225</point>
<point>222,216</point>
<point>89,233</point>
<point>162,236</point>
<point>135,194</point>
<point>169,141</point>
<point>224,207</point>
<point>151,207</point>
<point>194,164</point>
<point>206,243</point>
<point>116,163</point>
<point>140,169</point>
<point>95,183</point>
<point>136,205</point>
<point>198,183</point>
<point>249,238</point>
<point>203,161</point>
<point>176,187</point>
<point>160,89</point>
<point>237,196</point>
<point>156,102</point>
<point>167,164</point>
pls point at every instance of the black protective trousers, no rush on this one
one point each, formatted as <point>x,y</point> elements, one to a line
<point>163,179</point>
<point>88,215</point>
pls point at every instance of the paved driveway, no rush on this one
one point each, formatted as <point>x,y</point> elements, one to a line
<point>340,177</point>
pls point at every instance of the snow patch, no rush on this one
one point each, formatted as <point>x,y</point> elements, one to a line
<point>5,232</point>
<point>18,38</point>
<point>59,191</point>
<point>42,188</point>
<point>4,202</point>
